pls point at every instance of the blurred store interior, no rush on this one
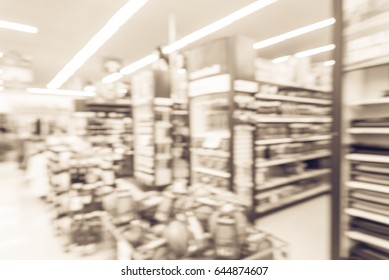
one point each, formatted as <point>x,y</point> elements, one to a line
<point>181,129</point>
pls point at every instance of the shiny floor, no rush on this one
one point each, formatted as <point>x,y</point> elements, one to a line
<point>26,232</point>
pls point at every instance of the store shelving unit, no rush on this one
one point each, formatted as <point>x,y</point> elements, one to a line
<point>109,124</point>
<point>291,140</point>
<point>365,211</point>
<point>179,120</point>
<point>368,130</point>
<point>296,87</point>
<point>280,142</point>
<point>375,101</point>
<point>306,100</point>
<point>291,200</point>
<point>221,147</point>
<point>291,119</point>
<point>243,152</point>
<point>152,110</point>
<point>293,178</point>
<point>180,146</point>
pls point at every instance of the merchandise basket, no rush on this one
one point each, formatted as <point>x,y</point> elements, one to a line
<point>122,249</point>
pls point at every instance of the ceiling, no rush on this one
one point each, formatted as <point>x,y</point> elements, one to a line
<point>66,25</point>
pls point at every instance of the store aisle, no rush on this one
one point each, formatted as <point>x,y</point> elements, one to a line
<point>305,227</point>
<point>25,230</point>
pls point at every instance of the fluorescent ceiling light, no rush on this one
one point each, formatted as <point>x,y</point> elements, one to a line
<point>329,63</point>
<point>315,51</point>
<point>131,68</point>
<point>1,54</point>
<point>61,92</point>
<point>217,25</point>
<point>181,71</point>
<point>281,59</point>
<point>147,60</point>
<point>112,78</point>
<point>99,39</point>
<point>1,82</point>
<point>308,53</point>
<point>1,88</point>
<point>18,26</point>
<point>191,38</point>
<point>90,88</point>
<point>294,33</point>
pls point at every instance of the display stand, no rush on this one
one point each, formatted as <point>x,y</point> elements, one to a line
<point>152,109</point>
<point>109,124</point>
<point>365,211</point>
<point>293,145</point>
<point>221,148</point>
<point>180,120</point>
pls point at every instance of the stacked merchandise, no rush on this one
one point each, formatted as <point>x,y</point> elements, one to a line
<point>180,119</point>
<point>366,34</point>
<point>221,148</point>
<point>109,124</point>
<point>244,103</point>
<point>152,110</point>
<point>78,182</point>
<point>366,40</point>
<point>180,146</point>
<point>292,143</point>
<point>360,10</point>
<point>243,161</point>
<point>368,203</point>
<point>210,142</point>
<point>199,223</point>
<point>298,72</point>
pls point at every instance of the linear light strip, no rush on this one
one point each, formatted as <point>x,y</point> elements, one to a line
<point>131,68</point>
<point>315,51</point>
<point>294,33</point>
<point>308,53</point>
<point>329,62</point>
<point>217,25</point>
<point>112,78</point>
<point>191,38</point>
<point>147,60</point>
<point>281,59</point>
<point>18,27</point>
<point>95,43</point>
<point>60,92</point>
